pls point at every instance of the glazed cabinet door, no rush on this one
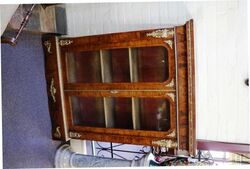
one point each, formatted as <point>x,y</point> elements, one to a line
<point>122,61</point>
<point>121,117</point>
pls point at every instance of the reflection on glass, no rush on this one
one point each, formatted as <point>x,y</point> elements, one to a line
<point>154,114</point>
<point>88,111</point>
<point>84,67</point>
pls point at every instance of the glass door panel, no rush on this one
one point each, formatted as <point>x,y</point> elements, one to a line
<point>115,65</point>
<point>121,113</point>
<point>118,113</point>
<point>102,112</point>
<point>83,67</point>
<point>142,64</point>
<point>154,114</point>
<point>88,111</point>
<point>152,64</point>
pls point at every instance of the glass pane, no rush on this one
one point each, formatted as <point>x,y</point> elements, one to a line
<point>102,112</point>
<point>83,67</point>
<point>123,113</point>
<point>88,111</point>
<point>118,113</point>
<point>152,64</point>
<point>154,114</point>
<point>115,65</point>
<point>120,65</point>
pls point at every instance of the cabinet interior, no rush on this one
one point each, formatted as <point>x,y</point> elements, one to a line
<point>122,113</point>
<point>142,64</point>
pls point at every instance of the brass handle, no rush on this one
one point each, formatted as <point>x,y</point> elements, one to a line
<point>114,91</point>
<point>53,90</point>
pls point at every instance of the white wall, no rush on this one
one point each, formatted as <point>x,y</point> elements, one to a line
<point>6,12</point>
<point>220,50</point>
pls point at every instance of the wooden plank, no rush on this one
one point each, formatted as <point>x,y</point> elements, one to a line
<point>191,87</point>
<point>118,138</point>
<point>222,146</point>
<point>119,86</point>
<point>182,89</point>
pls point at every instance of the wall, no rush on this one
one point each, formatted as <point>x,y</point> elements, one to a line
<point>221,53</point>
<point>6,12</point>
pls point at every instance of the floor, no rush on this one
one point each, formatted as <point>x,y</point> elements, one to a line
<point>26,123</point>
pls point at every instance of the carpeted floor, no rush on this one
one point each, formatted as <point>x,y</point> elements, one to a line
<point>26,123</point>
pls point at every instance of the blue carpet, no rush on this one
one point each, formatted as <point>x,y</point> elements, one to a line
<point>26,123</point>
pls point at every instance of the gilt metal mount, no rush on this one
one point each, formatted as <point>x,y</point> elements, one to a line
<point>53,90</point>
<point>47,44</point>
<point>170,84</point>
<point>170,43</point>
<point>165,143</point>
<point>161,33</point>
<point>171,95</point>
<point>57,134</point>
<point>65,42</point>
<point>172,134</point>
<point>74,134</point>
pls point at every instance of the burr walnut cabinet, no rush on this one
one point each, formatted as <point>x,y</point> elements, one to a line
<point>131,87</point>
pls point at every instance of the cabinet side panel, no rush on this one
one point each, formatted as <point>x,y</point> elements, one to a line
<point>191,86</point>
<point>182,88</point>
<point>53,87</point>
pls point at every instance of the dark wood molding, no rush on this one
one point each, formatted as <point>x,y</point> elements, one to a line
<point>223,146</point>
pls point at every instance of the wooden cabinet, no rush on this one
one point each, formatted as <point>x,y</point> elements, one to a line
<point>133,87</point>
